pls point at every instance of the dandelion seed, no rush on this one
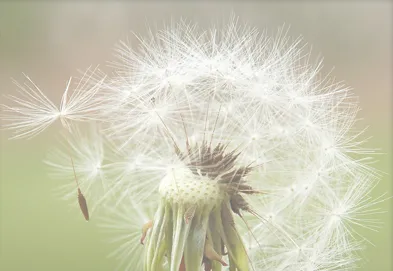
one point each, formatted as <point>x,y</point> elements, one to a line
<point>33,112</point>
<point>81,199</point>
<point>88,165</point>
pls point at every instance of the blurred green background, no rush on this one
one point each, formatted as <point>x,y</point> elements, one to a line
<point>51,41</point>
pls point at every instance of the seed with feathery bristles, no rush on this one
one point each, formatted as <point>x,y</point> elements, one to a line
<point>33,112</point>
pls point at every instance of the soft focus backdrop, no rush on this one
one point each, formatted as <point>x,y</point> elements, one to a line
<point>51,41</point>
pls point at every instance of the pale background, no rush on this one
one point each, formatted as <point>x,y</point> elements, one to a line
<point>51,41</point>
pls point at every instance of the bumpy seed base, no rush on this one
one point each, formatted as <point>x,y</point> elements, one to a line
<point>181,186</point>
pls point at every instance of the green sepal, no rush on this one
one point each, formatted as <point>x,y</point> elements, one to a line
<point>194,248</point>
<point>236,251</point>
<point>153,238</point>
<point>179,236</point>
<point>214,235</point>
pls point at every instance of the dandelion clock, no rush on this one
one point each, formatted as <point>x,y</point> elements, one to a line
<point>211,149</point>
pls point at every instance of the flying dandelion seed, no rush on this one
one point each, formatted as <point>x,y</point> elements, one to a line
<point>227,148</point>
<point>33,112</point>
<point>88,164</point>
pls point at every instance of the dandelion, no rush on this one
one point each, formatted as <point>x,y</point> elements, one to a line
<point>218,149</point>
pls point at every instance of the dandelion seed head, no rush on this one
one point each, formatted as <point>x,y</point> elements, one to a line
<point>237,141</point>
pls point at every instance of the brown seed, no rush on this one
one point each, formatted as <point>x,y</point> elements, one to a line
<point>81,198</point>
<point>83,205</point>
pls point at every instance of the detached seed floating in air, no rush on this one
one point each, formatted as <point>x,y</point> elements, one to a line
<point>81,198</point>
<point>83,205</point>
